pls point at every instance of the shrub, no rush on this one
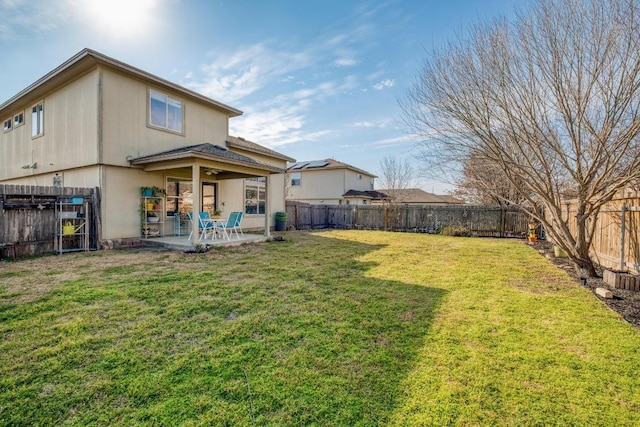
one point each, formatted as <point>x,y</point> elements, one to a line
<point>456,230</point>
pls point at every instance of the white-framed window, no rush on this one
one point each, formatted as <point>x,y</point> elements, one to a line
<point>37,119</point>
<point>371,184</point>
<point>6,125</point>
<point>296,179</point>
<point>18,120</point>
<point>179,196</point>
<point>359,176</point>
<point>165,112</point>
<point>255,195</point>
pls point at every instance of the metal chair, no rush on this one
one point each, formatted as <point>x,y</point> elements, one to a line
<point>232,224</point>
<point>205,225</point>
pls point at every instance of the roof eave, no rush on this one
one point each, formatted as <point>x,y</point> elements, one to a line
<point>92,59</point>
<point>204,156</point>
<point>270,153</point>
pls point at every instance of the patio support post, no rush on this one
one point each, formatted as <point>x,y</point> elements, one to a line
<point>195,185</point>
<point>267,208</point>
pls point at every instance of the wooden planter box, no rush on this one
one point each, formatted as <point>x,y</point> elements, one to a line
<point>620,280</point>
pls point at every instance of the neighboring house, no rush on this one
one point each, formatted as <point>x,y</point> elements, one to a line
<point>329,182</point>
<point>416,196</point>
<point>97,122</point>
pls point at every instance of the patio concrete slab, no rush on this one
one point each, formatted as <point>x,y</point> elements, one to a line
<point>182,243</point>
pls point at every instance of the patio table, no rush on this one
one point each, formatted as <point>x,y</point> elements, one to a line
<point>212,222</point>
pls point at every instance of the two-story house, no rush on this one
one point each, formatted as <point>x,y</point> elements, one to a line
<point>100,123</point>
<point>330,182</point>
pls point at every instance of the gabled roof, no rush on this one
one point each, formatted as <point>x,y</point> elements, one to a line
<point>205,151</point>
<point>326,164</point>
<point>245,144</point>
<point>86,60</point>
<point>417,195</point>
<point>366,194</point>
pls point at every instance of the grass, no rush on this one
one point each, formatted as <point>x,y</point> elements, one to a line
<point>340,328</point>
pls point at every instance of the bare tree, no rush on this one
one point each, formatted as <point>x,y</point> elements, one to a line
<point>551,100</point>
<point>484,184</point>
<point>395,176</point>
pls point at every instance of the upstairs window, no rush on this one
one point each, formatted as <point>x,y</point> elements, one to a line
<point>296,178</point>
<point>6,126</point>
<point>165,112</point>
<point>37,120</point>
<point>18,120</point>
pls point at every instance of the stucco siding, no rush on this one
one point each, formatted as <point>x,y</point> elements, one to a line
<point>319,185</point>
<point>126,133</point>
<point>70,132</point>
<point>121,201</point>
<point>352,182</point>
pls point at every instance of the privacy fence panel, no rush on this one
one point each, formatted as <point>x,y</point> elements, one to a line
<point>616,238</point>
<point>27,216</point>
<point>494,221</point>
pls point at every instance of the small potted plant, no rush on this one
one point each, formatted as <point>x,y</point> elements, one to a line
<point>217,212</point>
<point>146,191</point>
<point>533,237</point>
<point>158,192</point>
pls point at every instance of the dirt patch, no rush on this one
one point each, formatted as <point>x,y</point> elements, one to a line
<point>624,302</point>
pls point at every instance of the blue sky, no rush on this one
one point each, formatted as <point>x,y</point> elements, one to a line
<point>315,79</point>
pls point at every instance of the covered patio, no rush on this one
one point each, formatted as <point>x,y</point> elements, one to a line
<point>207,162</point>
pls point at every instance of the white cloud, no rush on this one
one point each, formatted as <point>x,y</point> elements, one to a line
<point>372,124</point>
<point>254,77</point>
<point>396,140</point>
<point>345,62</point>
<point>21,17</point>
<point>364,124</point>
<point>384,84</point>
<point>282,119</point>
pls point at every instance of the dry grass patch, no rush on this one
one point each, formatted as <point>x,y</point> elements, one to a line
<point>334,328</point>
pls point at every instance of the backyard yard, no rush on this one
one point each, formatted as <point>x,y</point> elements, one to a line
<point>335,328</point>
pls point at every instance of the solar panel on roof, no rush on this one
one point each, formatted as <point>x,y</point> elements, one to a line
<point>299,165</point>
<point>317,164</point>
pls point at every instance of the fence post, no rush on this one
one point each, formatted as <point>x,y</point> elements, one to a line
<point>622,231</point>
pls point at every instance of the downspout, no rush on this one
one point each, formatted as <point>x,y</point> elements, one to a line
<point>102,173</point>
<point>100,116</point>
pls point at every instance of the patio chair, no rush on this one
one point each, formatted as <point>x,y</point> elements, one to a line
<point>205,225</point>
<point>232,224</point>
<point>237,226</point>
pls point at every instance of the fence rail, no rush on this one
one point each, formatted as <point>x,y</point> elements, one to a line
<point>27,216</point>
<point>484,221</point>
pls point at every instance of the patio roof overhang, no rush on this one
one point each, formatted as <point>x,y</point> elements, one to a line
<point>224,163</point>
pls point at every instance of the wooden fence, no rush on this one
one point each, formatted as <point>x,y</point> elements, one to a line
<point>484,221</point>
<point>27,216</point>
<point>616,240</point>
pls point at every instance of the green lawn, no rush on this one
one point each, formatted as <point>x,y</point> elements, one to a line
<point>339,328</point>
